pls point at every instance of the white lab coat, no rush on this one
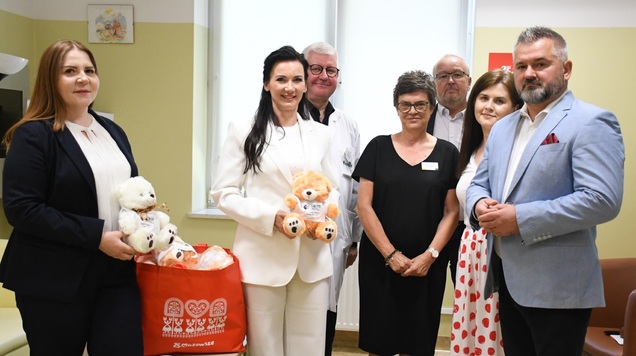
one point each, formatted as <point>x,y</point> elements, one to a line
<point>343,157</point>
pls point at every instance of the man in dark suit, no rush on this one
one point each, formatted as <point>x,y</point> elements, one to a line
<point>452,82</point>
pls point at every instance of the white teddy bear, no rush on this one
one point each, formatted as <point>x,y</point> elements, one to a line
<point>147,229</point>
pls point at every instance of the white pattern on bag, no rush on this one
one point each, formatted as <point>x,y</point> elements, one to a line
<point>175,314</point>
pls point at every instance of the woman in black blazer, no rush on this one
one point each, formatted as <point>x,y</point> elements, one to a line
<point>73,278</point>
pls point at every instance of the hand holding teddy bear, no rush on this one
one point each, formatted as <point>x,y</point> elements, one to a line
<point>313,207</point>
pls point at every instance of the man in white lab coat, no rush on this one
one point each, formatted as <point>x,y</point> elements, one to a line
<point>345,151</point>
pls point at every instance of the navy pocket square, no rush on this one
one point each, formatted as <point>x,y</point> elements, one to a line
<point>550,139</point>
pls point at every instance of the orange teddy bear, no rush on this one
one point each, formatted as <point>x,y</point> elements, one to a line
<point>313,207</point>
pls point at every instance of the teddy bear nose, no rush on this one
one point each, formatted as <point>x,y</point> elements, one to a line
<point>152,195</point>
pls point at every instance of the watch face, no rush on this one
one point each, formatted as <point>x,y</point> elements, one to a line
<point>434,252</point>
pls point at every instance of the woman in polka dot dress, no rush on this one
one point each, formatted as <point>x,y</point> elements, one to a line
<point>475,328</point>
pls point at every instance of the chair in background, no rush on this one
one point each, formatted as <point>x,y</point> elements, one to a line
<point>629,330</point>
<point>619,281</point>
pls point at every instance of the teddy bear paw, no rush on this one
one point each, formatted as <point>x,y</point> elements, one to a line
<point>327,232</point>
<point>293,225</point>
<point>142,241</point>
<point>166,237</point>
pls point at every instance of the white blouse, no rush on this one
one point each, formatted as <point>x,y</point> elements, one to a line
<point>292,144</point>
<point>462,186</point>
<point>110,168</point>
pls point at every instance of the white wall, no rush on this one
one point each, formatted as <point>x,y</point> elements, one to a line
<point>380,40</point>
<point>556,13</point>
<point>490,13</point>
<point>20,7</point>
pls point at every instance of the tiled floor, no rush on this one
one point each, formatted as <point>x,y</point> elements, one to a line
<point>345,344</point>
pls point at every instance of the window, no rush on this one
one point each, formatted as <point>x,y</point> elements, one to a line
<point>377,40</point>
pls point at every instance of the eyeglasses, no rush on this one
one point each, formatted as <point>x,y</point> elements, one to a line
<point>316,69</point>
<point>443,77</point>
<point>405,107</point>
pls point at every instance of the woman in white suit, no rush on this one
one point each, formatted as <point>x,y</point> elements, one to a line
<point>285,279</point>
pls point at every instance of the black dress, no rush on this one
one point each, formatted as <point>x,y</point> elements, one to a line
<point>402,314</point>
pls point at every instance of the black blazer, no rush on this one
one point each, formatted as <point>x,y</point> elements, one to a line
<point>431,121</point>
<point>50,200</point>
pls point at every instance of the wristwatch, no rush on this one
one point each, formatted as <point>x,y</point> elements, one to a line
<point>433,252</point>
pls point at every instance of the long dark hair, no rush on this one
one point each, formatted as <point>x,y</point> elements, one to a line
<point>256,139</point>
<point>473,135</point>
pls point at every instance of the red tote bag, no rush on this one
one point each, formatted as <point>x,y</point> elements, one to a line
<point>192,311</point>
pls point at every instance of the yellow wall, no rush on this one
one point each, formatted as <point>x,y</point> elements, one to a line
<point>16,34</point>
<point>157,89</point>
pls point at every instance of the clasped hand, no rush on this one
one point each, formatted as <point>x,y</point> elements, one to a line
<point>498,219</point>
<point>406,267</point>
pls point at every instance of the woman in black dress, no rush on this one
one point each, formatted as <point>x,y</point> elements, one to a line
<point>408,208</point>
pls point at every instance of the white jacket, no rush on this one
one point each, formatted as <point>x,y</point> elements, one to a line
<point>266,256</point>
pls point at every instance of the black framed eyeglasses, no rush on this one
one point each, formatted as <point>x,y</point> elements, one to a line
<point>405,107</point>
<point>316,69</point>
<point>443,77</point>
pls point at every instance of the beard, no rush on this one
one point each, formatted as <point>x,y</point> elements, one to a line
<point>541,92</point>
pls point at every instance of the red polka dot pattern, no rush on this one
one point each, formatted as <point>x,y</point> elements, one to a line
<point>475,327</point>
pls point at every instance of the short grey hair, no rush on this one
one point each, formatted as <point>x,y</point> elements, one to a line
<point>461,60</point>
<point>321,48</point>
<point>533,34</point>
<point>414,81</point>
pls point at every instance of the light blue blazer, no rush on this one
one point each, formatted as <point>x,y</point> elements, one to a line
<point>266,256</point>
<point>561,191</point>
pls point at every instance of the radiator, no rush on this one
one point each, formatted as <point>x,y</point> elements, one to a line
<point>349,302</point>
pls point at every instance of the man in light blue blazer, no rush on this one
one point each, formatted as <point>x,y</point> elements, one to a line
<point>552,171</point>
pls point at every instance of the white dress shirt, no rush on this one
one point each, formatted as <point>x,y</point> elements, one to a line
<point>449,128</point>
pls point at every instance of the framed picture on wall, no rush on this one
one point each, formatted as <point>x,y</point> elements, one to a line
<point>110,24</point>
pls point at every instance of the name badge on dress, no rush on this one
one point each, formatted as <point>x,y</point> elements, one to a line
<point>430,166</point>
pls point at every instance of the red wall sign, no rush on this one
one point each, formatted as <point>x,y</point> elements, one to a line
<point>500,61</point>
